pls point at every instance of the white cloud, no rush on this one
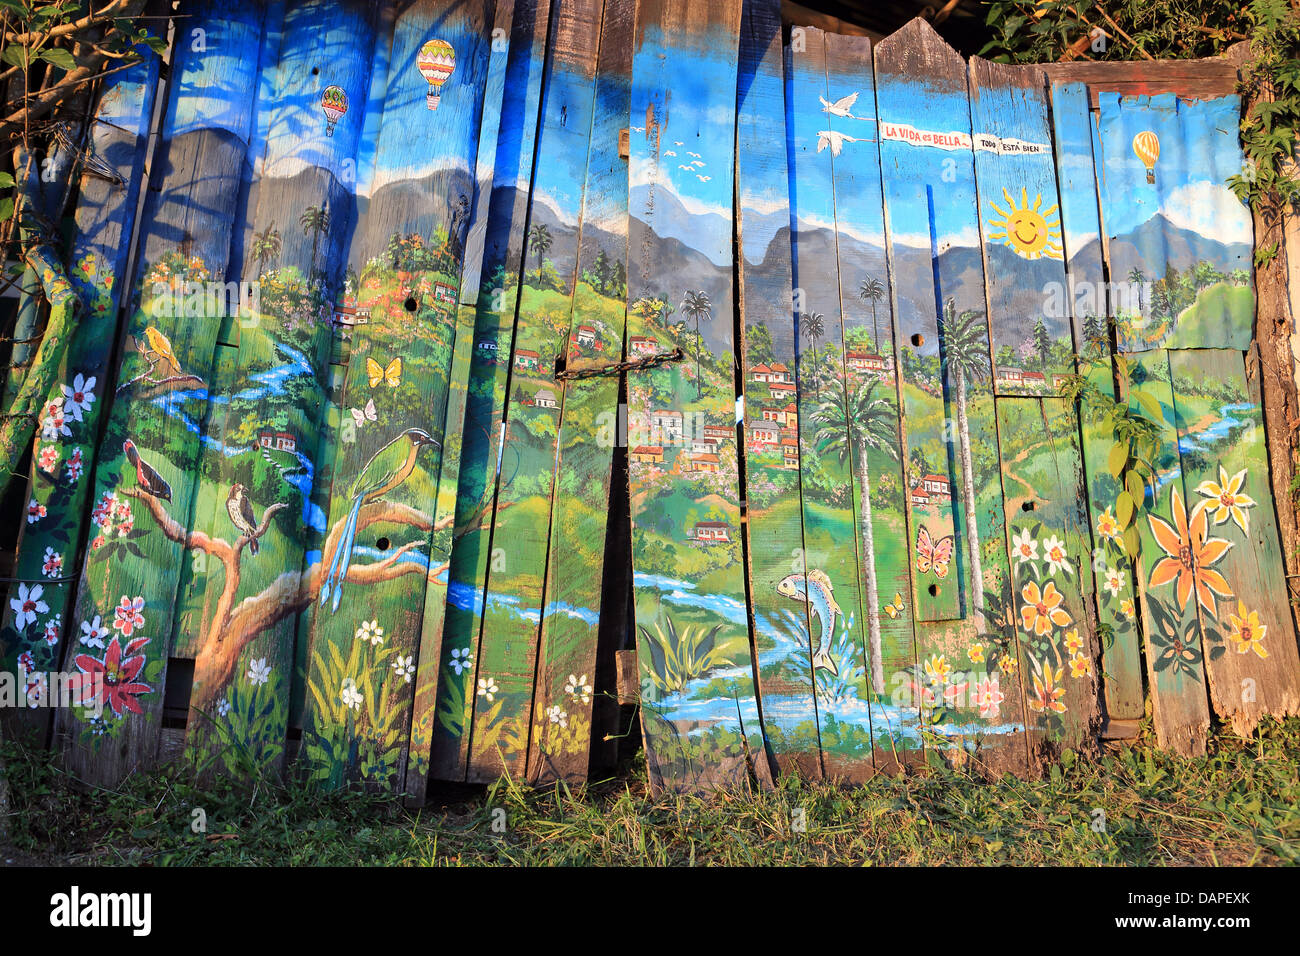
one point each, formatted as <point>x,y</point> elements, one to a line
<point>1210,209</point>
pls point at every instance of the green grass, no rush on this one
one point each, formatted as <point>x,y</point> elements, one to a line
<point>1235,806</point>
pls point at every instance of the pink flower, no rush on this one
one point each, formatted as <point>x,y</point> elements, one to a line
<point>48,459</point>
<point>35,511</point>
<point>53,564</point>
<point>74,465</point>
<point>988,696</point>
<point>128,616</point>
<point>26,663</point>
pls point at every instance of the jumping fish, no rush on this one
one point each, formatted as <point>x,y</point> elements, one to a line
<point>821,601</point>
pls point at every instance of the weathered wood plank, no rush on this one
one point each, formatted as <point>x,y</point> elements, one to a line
<point>1086,297</point>
<point>1251,658</point>
<point>1190,79</point>
<point>145,481</point>
<point>481,441</point>
<point>589,429</point>
<point>407,254</point>
<point>699,715</point>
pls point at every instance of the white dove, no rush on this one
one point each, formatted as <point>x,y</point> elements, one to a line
<point>841,107</point>
<point>697,162</point>
<point>689,169</point>
<point>689,153</point>
<point>678,142</point>
<point>703,179</point>
<point>835,140</point>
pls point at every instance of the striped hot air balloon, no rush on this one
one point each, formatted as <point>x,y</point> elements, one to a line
<point>436,63</point>
<point>334,103</point>
<point>1147,147</point>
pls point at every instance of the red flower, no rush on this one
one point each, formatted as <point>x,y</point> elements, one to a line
<point>112,680</point>
<point>128,616</point>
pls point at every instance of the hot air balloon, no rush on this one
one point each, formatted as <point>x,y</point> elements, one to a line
<point>436,63</point>
<point>334,103</point>
<point>1147,146</point>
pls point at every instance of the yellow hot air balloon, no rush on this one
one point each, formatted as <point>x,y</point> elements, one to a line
<point>1147,146</point>
<point>436,63</point>
<point>333,103</point>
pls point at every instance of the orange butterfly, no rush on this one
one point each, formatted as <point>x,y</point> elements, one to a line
<point>931,554</point>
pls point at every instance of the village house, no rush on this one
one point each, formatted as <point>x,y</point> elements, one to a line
<point>763,434</point>
<point>920,497</point>
<point>666,423</point>
<point>545,398</point>
<point>444,293</point>
<point>277,440</point>
<point>867,362</point>
<point>761,372</point>
<point>651,454</point>
<point>935,484</point>
<point>711,532</point>
<point>1060,381</point>
<point>700,464</point>
<point>526,359</point>
<point>642,345</point>
<point>1009,376</point>
<point>704,446</point>
<point>586,336</point>
<point>349,313</point>
<point>1033,380</point>
<point>790,453</point>
<point>720,432</point>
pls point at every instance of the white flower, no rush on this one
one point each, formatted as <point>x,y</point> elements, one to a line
<point>259,671</point>
<point>487,687</point>
<point>405,667</point>
<point>1024,547</point>
<point>27,605</point>
<point>1055,556</point>
<point>92,634</point>
<point>52,628</point>
<point>372,632</point>
<point>349,695</point>
<point>578,689</point>
<point>460,660</point>
<point>557,716</point>
<point>1114,581</point>
<point>79,397</point>
<point>53,563</point>
<point>223,707</point>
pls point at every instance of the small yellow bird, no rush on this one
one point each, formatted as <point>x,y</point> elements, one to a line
<point>160,347</point>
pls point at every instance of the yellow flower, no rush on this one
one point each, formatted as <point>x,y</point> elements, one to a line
<point>937,669</point>
<point>1073,643</point>
<point>1080,666</point>
<point>1047,696</point>
<point>1247,633</point>
<point>976,653</point>
<point>1042,609</point>
<point>1007,663</point>
<point>1190,554</point>
<point>1107,526</point>
<point>1226,498</point>
<point>1126,608</point>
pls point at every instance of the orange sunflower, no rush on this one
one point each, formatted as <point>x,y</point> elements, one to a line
<point>1042,609</point>
<point>1190,555</point>
<point>1047,695</point>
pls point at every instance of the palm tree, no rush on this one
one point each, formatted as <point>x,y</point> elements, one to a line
<point>1138,278</point>
<point>853,427</point>
<point>966,359</point>
<point>539,240</point>
<point>814,327</point>
<point>266,247</point>
<point>314,221</point>
<point>696,305</point>
<point>871,290</point>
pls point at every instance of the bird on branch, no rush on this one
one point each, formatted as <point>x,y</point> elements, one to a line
<point>146,475</point>
<point>241,514</point>
<point>386,470</point>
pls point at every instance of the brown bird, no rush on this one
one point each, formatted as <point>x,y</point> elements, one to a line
<point>145,474</point>
<point>241,514</point>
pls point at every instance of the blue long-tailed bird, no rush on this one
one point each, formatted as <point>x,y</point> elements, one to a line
<point>386,469</point>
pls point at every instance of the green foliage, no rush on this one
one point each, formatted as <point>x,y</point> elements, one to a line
<point>678,658</point>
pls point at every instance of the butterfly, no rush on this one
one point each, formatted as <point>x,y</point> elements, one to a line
<point>896,608</point>
<point>932,554</point>
<point>378,374</point>
<point>363,415</point>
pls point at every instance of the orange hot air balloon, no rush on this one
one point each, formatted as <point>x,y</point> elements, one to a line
<point>334,103</point>
<point>1147,146</point>
<point>436,63</point>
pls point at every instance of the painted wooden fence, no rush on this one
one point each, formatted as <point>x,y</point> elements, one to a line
<point>341,506</point>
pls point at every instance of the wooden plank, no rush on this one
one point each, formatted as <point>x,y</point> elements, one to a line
<point>870,374</point>
<point>699,717</point>
<point>433,677</point>
<point>1190,79</point>
<point>950,433</point>
<point>1048,536</point>
<point>1086,298</point>
<point>1170,626</point>
<point>481,441</point>
<point>146,472</point>
<point>274,403</point>
<point>1251,658</point>
<point>521,514</point>
<point>776,548</point>
<point>47,549</point>
<point>1177,235</point>
<point>376,556</point>
<point>588,432</point>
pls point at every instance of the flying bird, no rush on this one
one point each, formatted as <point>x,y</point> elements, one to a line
<point>678,143</point>
<point>841,107</point>
<point>833,139</point>
<point>386,469</point>
<point>160,347</point>
<point>689,153</point>
<point>703,179</point>
<point>669,152</point>
<point>146,475</point>
<point>241,514</point>
<point>698,162</point>
<point>689,169</point>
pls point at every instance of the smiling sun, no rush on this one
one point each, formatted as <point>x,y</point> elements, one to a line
<point>1030,232</point>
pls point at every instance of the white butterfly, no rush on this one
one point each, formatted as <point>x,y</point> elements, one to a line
<point>363,415</point>
<point>841,107</point>
<point>835,140</point>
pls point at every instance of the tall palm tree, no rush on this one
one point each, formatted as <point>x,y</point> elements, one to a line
<point>1137,277</point>
<point>966,360</point>
<point>814,328</point>
<point>853,427</point>
<point>314,221</point>
<point>266,247</point>
<point>539,240</point>
<point>871,290</point>
<point>696,305</point>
